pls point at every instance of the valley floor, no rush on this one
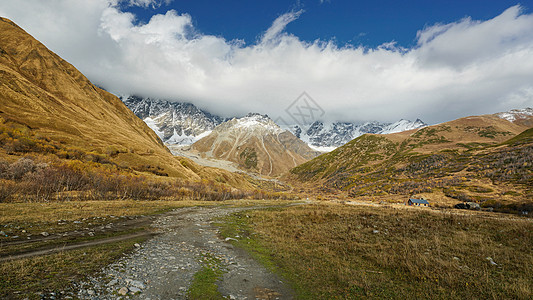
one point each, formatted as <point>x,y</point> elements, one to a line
<point>338,251</point>
<point>48,249</point>
<point>270,250</point>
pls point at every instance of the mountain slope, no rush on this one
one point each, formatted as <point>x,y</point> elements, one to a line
<point>46,96</point>
<point>174,122</point>
<point>256,143</point>
<point>522,116</point>
<point>454,159</point>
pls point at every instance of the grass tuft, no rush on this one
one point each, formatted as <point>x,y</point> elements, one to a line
<point>204,285</point>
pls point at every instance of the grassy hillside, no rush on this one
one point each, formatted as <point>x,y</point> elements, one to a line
<point>525,137</point>
<point>482,159</point>
<point>52,99</point>
<point>55,122</point>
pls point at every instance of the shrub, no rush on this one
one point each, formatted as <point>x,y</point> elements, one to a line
<point>249,156</point>
<point>4,167</point>
<point>7,190</point>
<point>18,169</point>
<point>32,181</point>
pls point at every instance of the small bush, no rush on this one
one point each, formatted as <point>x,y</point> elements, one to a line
<point>20,168</point>
<point>7,190</point>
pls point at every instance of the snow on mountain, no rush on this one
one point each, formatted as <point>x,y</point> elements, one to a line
<point>174,122</point>
<point>402,125</point>
<point>516,114</point>
<point>255,143</point>
<point>255,121</point>
<point>184,124</point>
<point>328,136</point>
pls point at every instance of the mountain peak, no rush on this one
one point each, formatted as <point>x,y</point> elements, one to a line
<point>324,136</point>
<point>179,123</point>
<point>255,122</point>
<point>255,143</point>
<point>402,125</point>
<point>516,114</point>
<point>256,115</point>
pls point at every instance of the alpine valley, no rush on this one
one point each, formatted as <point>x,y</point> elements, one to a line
<point>133,197</point>
<point>51,112</point>
<point>254,143</point>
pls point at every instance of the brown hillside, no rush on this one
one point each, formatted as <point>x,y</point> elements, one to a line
<point>44,93</point>
<point>257,144</point>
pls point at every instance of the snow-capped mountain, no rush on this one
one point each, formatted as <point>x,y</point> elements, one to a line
<point>255,143</point>
<point>516,114</point>
<point>254,122</point>
<point>402,125</point>
<point>184,124</point>
<point>327,136</point>
<point>173,122</point>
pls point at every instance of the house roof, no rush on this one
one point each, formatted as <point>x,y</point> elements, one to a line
<point>419,201</point>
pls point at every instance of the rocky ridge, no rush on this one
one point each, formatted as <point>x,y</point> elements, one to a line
<point>174,122</point>
<point>326,136</point>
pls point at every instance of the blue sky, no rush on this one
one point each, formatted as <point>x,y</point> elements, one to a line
<point>450,58</point>
<point>368,23</point>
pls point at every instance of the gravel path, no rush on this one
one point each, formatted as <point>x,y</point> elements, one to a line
<point>163,267</point>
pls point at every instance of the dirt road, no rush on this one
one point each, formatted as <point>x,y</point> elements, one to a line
<point>163,267</point>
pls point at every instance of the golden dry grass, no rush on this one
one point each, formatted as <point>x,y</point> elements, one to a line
<point>337,251</point>
<point>21,213</point>
<point>471,129</point>
<point>42,92</point>
<point>53,211</point>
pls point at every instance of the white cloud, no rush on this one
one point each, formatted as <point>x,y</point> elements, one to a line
<point>457,69</point>
<point>467,42</point>
<point>279,25</point>
<point>145,3</point>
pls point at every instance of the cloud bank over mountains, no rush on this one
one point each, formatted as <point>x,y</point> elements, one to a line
<point>463,68</point>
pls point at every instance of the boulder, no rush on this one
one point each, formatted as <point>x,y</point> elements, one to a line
<point>123,291</point>
<point>473,206</point>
